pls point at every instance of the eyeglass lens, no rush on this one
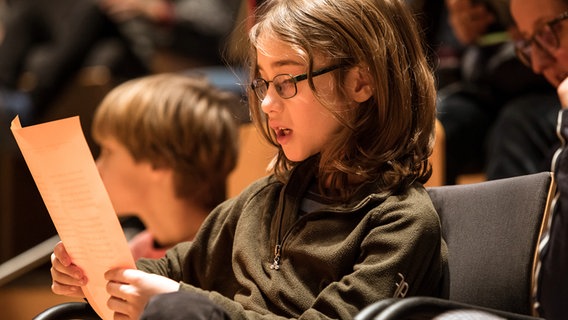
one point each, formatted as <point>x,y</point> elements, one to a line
<point>545,39</point>
<point>284,84</point>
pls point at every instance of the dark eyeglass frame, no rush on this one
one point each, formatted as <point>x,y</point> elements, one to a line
<point>546,38</point>
<point>260,85</point>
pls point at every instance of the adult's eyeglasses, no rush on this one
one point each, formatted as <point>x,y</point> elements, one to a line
<point>546,38</point>
<point>285,84</point>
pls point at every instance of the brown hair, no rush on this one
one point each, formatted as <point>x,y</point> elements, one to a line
<point>178,122</point>
<point>389,137</point>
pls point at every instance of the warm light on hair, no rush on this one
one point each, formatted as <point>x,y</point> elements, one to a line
<point>177,122</point>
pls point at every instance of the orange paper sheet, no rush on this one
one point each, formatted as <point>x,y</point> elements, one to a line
<point>65,173</point>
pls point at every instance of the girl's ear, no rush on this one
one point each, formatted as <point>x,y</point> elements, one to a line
<point>359,84</point>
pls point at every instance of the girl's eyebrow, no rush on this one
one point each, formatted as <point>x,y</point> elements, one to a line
<point>281,63</point>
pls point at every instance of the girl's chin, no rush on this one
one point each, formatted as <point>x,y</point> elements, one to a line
<point>296,157</point>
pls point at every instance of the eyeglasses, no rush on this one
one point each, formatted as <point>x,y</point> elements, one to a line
<point>546,39</point>
<point>285,84</point>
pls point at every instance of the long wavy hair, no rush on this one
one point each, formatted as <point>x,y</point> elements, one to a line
<point>386,139</point>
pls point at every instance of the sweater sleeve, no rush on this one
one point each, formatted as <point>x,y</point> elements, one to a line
<point>168,266</point>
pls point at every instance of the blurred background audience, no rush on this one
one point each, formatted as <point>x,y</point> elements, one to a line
<point>47,42</point>
<point>485,91</point>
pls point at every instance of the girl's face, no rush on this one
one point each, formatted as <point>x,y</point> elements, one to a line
<point>126,181</point>
<point>303,126</point>
<point>532,16</point>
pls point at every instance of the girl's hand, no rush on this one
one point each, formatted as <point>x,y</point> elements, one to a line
<point>563,93</point>
<point>131,290</point>
<point>67,278</point>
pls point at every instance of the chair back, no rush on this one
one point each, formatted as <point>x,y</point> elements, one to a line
<point>492,229</point>
<point>255,155</point>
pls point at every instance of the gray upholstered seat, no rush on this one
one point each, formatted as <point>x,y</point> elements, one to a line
<point>492,229</point>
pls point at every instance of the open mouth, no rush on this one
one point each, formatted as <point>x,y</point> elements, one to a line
<point>281,132</point>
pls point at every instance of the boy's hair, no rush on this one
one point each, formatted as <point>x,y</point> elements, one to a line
<point>387,138</point>
<point>176,122</point>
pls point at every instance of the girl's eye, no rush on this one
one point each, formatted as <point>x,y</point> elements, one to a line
<point>280,88</point>
<point>284,85</point>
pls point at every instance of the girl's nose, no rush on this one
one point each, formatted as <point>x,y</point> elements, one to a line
<point>271,102</point>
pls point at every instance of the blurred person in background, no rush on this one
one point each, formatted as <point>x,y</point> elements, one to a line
<point>543,46</point>
<point>494,87</point>
<point>51,40</point>
<point>168,143</point>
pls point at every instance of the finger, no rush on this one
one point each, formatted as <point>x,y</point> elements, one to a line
<point>66,279</point>
<point>59,270</point>
<point>115,275</point>
<point>118,305</point>
<point>70,291</point>
<point>61,253</point>
<point>119,290</point>
<point>65,284</point>
<point>120,316</point>
<point>123,309</point>
<point>123,275</point>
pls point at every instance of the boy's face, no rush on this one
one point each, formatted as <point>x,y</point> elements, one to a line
<point>127,182</point>
<point>534,16</point>
<point>303,126</point>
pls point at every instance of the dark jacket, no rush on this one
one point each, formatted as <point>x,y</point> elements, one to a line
<point>552,275</point>
<point>332,262</point>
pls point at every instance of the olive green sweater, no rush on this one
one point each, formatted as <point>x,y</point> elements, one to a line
<point>331,262</point>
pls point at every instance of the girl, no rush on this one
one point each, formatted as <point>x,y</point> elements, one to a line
<point>342,88</point>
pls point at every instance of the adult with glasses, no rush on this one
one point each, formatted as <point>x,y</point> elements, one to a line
<point>543,26</point>
<point>492,86</point>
